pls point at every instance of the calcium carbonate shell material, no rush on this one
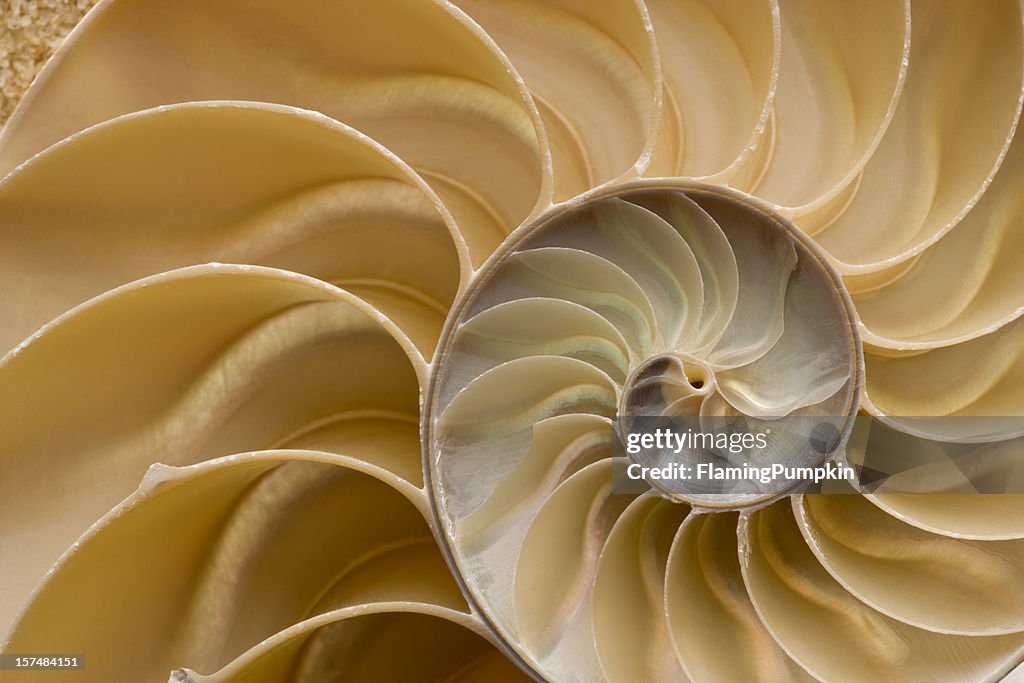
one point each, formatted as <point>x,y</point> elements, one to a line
<point>317,318</point>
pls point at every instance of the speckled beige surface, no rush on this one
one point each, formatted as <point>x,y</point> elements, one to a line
<point>29,33</point>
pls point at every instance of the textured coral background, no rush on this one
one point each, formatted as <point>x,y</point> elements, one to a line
<point>30,30</point>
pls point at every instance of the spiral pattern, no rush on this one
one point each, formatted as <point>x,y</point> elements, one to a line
<point>356,289</point>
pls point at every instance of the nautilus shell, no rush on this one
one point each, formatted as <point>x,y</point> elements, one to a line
<point>320,317</point>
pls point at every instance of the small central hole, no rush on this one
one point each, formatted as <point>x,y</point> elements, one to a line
<point>696,375</point>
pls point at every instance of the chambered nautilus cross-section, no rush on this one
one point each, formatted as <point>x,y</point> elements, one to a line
<point>324,323</point>
<point>651,300</point>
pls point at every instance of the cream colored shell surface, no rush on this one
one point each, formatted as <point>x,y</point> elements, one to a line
<point>301,384</point>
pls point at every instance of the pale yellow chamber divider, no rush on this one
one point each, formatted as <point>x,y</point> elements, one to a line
<point>203,562</point>
<point>513,395</point>
<point>415,75</point>
<point>554,578</point>
<point>937,582</point>
<point>977,377</point>
<point>840,74</point>
<point>971,277</point>
<point>719,279</point>
<point>835,635</point>
<point>489,538</point>
<point>981,516</point>
<point>630,632</point>
<point>982,376</point>
<point>485,432</point>
<point>651,252</point>
<point>592,69</point>
<point>714,627</point>
<point>578,277</point>
<point>559,447</point>
<point>719,62</point>
<point>763,262</point>
<point>376,642</point>
<point>179,368</point>
<point>533,326</point>
<point>810,361</point>
<point>935,159</point>
<point>232,182</point>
